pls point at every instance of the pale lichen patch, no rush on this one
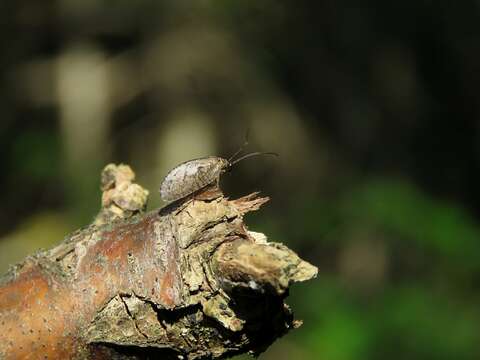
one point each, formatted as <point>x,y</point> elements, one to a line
<point>121,198</point>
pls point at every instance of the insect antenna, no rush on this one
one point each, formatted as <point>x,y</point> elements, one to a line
<point>256,153</point>
<point>245,143</point>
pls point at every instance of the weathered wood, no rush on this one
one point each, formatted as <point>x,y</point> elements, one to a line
<point>187,281</point>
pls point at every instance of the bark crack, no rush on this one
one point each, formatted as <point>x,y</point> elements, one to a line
<point>132,316</point>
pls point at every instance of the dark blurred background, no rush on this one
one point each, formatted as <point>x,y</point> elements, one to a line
<point>373,107</point>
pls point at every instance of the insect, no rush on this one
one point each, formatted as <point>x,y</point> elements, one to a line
<point>193,175</point>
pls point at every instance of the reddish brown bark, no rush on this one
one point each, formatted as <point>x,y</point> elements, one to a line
<point>172,282</point>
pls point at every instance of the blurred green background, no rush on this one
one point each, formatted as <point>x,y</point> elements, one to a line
<point>374,108</point>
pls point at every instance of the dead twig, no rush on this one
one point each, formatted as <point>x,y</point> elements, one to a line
<point>189,281</point>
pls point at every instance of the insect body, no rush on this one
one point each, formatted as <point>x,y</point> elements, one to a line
<point>196,174</point>
<point>191,176</point>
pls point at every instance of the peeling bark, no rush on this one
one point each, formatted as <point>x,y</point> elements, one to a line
<point>187,281</point>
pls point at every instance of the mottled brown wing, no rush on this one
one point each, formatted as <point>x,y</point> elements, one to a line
<point>190,176</point>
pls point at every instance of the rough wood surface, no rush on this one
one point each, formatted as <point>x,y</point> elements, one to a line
<point>187,281</point>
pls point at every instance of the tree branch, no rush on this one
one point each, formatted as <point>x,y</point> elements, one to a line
<point>187,281</point>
